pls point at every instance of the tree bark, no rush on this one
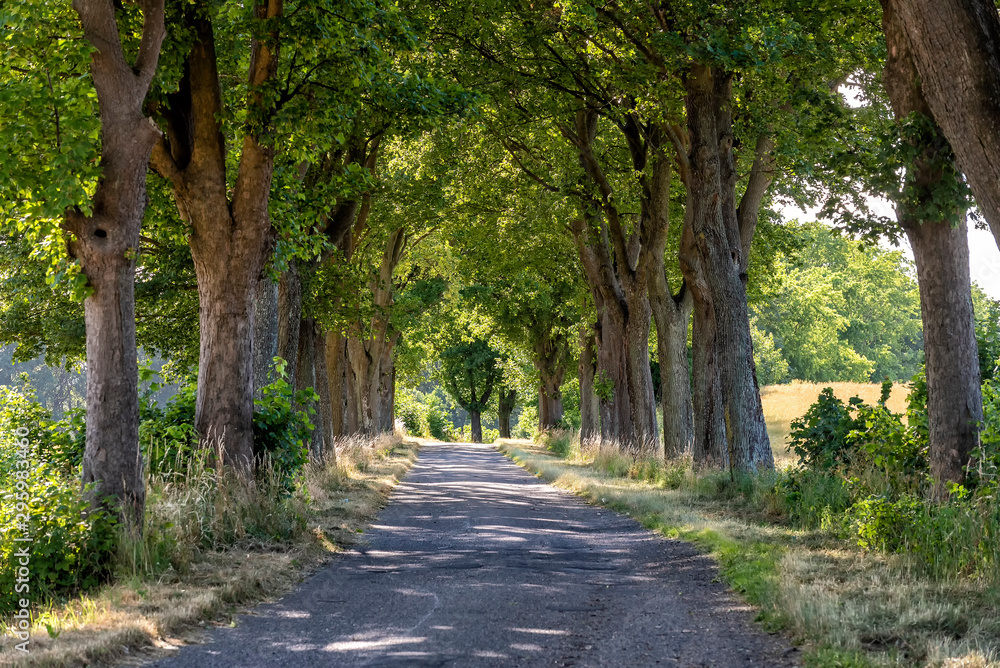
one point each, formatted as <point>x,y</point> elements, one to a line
<point>507,401</point>
<point>628,409</point>
<point>616,265</point>
<point>324,412</point>
<point>387,386</point>
<point>229,233</point>
<point>709,446</point>
<point>941,254</point>
<point>106,244</point>
<point>589,406</point>
<point>672,316</point>
<point>716,239</point>
<point>289,319</point>
<point>475,418</point>
<point>366,347</point>
<point>336,373</point>
<point>671,313</point>
<point>955,46</point>
<point>550,362</point>
<point>265,333</point>
<point>306,377</point>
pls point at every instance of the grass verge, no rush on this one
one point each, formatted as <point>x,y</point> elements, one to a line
<point>151,610</point>
<point>845,607</point>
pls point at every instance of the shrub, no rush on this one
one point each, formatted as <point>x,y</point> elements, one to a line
<point>57,442</point>
<point>812,499</point>
<point>411,420</point>
<point>821,437</point>
<point>438,425</point>
<point>527,422</point>
<point>71,548</point>
<point>557,441</point>
<point>984,473</point>
<point>881,523</point>
<point>281,429</point>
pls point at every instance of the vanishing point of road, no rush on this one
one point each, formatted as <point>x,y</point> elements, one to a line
<point>475,562</point>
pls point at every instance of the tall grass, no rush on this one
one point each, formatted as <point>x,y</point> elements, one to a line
<point>193,507</point>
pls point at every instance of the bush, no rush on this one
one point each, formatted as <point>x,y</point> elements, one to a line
<point>871,444</point>
<point>821,437</point>
<point>71,548</point>
<point>57,442</point>
<point>281,430</point>
<point>881,523</point>
<point>527,423</point>
<point>438,425</point>
<point>557,441</point>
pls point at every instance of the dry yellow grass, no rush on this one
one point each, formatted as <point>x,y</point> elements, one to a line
<point>784,403</point>
<point>138,617</point>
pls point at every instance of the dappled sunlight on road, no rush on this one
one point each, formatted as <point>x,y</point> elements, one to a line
<point>475,562</point>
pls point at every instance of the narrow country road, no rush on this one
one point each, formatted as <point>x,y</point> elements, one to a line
<point>477,563</point>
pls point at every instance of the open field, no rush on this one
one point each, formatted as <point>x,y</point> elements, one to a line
<point>784,403</point>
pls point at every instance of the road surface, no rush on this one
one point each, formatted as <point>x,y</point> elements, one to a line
<point>475,562</point>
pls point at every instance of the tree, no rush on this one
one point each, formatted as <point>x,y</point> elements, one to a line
<point>470,371</point>
<point>102,230</point>
<point>844,310</point>
<point>954,46</point>
<point>931,210</point>
<point>303,72</point>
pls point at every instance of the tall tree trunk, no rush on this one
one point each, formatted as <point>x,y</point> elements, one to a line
<point>363,371</point>
<point>506,402</point>
<point>616,265</point>
<point>351,396</point>
<point>955,47</point>
<point>624,380</point>
<point>106,244</point>
<point>673,315</point>
<point>324,412</point>
<point>387,387</point>
<point>306,378</point>
<point>589,406</point>
<point>475,418</point>
<point>229,224</point>
<point>941,253</point>
<point>550,362</point>
<point>954,396</point>
<point>289,319</point>
<point>265,333</point>
<point>709,446</point>
<point>717,242</point>
<point>617,427</point>
<point>336,373</point>
<point>366,348</point>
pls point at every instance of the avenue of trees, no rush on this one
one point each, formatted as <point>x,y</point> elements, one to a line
<point>503,198</point>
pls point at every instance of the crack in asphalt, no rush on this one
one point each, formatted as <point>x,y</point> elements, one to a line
<point>521,574</point>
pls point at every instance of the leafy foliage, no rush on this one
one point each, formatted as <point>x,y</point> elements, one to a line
<point>72,548</point>
<point>843,311</point>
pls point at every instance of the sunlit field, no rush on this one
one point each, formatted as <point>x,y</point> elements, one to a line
<point>784,403</point>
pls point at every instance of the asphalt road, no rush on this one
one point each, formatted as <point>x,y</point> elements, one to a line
<point>477,563</point>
